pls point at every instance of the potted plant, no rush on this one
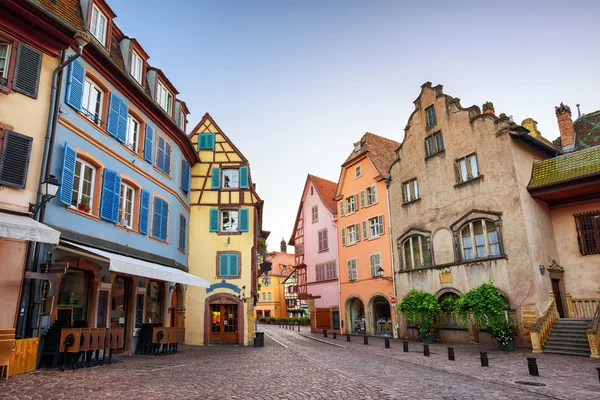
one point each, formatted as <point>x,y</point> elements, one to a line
<point>421,309</point>
<point>505,332</point>
<point>84,204</point>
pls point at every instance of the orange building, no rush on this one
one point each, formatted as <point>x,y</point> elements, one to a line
<point>271,301</point>
<point>365,256</point>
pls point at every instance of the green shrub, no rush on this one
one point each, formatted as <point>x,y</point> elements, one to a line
<point>262,320</point>
<point>421,309</point>
<point>485,302</point>
<point>272,320</point>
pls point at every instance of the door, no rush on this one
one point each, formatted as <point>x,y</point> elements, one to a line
<point>335,316</point>
<point>224,324</point>
<point>173,309</point>
<point>121,291</point>
<point>558,297</point>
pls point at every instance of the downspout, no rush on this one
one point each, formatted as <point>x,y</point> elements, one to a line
<point>387,195</point>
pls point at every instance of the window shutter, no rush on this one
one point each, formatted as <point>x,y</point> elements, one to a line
<point>211,141</point>
<point>160,152</point>
<point>371,262</point>
<point>74,92</point>
<point>365,227</point>
<point>244,178</point>
<point>243,226</point>
<point>201,142</point>
<point>68,175</point>
<point>27,71</point>
<point>216,178</point>
<point>325,240</point>
<point>380,223</point>
<point>182,229</point>
<point>355,201</point>
<point>362,198</point>
<point>109,203</point>
<point>14,159</point>
<point>342,208</point>
<point>149,144</point>
<point>374,191</point>
<point>185,176</point>
<point>343,236</point>
<point>214,220</point>
<point>167,169</point>
<point>144,211</point>
<point>357,230</point>
<point>114,110</point>
<point>156,216</point>
<point>164,223</point>
<point>233,264</point>
<point>206,141</point>
<point>122,129</point>
<point>223,264</point>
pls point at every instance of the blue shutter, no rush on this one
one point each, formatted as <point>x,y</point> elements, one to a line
<point>144,211</point>
<point>160,152</point>
<point>216,178</point>
<point>182,229</point>
<point>223,264</point>
<point>233,264</point>
<point>74,92</point>
<point>156,216</point>
<point>210,141</point>
<point>148,144</point>
<point>122,130</point>
<point>164,223</point>
<point>167,169</point>
<point>206,141</point>
<point>244,178</point>
<point>214,220</point>
<point>68,175</point>
<point>111,186</point>
<point>185,176</point>
<point>243,220</point>
<point>201,142</point>
<point>114,109</point>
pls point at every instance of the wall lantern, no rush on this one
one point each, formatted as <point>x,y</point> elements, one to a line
<point>542,269</point>
<point>48,188</point>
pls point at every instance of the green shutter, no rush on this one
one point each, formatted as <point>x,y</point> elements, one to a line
<point>244,178</point>
<point>243,226</point>
<point>216,178</point>
<point>224,264</point>
<point>214,220</point>
<point>233,265</point>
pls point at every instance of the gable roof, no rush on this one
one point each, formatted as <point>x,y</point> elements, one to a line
<point>381,151</point>
<point>326,190</point>
<point>67,10</point>
<point>566,167</point>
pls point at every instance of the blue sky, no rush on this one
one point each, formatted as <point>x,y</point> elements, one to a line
<point>294,83</point>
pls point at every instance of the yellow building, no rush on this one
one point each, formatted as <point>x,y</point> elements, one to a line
<point>225,225</point>
<point>271,300</point>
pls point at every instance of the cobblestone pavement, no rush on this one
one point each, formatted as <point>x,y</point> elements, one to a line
<point>292,366</point>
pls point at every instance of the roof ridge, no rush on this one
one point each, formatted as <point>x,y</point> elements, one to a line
<point>381,137</point>
<point>324,179</point>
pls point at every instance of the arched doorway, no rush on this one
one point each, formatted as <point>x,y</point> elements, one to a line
<point>356,316</point>
<point>382,316</point>
<point>223,319</point>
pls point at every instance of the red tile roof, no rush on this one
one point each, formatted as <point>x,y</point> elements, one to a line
<point>381,151</point>
<point>67,10</point>
<point>326,190</point>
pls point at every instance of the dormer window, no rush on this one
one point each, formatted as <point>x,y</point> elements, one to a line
<point>98,25</point>
<point>182,120</point>
<point>136,67</point>
<point>164,98</point>
<point>357,146</point>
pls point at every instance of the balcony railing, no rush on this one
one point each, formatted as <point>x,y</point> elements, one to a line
<point>92,116</point>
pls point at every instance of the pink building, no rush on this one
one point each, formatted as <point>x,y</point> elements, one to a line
<point>316,249</point>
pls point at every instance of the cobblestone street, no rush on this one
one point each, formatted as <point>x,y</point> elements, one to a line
<point>301,367</point>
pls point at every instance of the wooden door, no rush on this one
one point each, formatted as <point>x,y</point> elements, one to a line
<point>224,324</point>
<point>558,297</point>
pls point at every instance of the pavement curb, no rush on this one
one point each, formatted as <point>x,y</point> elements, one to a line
<point>322,341</point>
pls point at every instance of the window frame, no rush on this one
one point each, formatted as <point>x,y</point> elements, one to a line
<point>352,271</point>
<point>314,213</point>
<point>435,149</point>
<point>100,14</point>
<point>374,273</point>
<point>239,265</point>
<point>356,234</point>
<point>410,195</point>
<point>379,225</point>
<point>133,67</point>
<point>357,172</point>
<point>135,146</point>
<point>131,190</point>
<point>429,123</point>
<point>468,168</point>
<point>322,240</point>
<point>94,116</point>
<point>486,244</point>
<point>94,169</point>
<point>372,196</point>
<point>163,93</point>
<point>221,217</point>
<point>156,152</point>
<point>421,238</point>
<point>223,175</point>
<point>583,232</point>
<point>7,59</point>
<point>354,203</point>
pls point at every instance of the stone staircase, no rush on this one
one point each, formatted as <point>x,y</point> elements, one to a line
<point>568,336</point>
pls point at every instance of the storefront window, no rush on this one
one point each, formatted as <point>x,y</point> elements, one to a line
<point>120,294</point>
<point>73,296</point>
<point>154,302</point>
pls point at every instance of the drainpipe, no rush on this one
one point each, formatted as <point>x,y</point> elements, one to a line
<point>387,195</point>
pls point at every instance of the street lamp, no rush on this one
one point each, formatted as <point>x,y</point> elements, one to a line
<point>48,189</point>
<point>380,275</point>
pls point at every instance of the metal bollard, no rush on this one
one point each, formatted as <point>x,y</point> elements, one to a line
<point>334,335</point>
<point>387,343</point>
<point>451,353</point>
<point>405,347</point>
<point>426,350</point>
<point>347,338</point>
<point>598,369</point>
<point>324,333</point>
<point>298,327</point>
<point>484,359</point>
<point>366,340</point>
<point>533,368</point>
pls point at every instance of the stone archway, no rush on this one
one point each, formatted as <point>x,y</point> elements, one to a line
<point>223,299</point>
<point>355,320</point>
<point>177,306</point>
<point>379,315</point>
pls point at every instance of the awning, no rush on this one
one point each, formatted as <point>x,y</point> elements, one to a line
<point>133,266</point>
<point>26,228</point>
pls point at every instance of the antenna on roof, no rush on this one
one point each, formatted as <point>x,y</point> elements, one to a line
<point>578,111</point>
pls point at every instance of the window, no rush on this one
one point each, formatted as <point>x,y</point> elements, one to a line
<point>98,25</point>
<point>431,119</point>
<point>182,120</point>
<point>284,268</point>
<point>229,221</point>
<point>4,60</point>
<point>160,219</point>
<point>163,155</point>
<point>136,67</point>
<point>154,299</point>
<point>182,232</point>
<point>448,319</point>
<point>133,133</point>
<point>326,271</point>
<point>480,239</point>
<point>357,172</point>
<point>357,146</point>
<point>206,141</point>
<point>375,261</point>
<point>164,98</point>
<point>73,293</point>
<point>231,178</point>
<point>588,232</point>
<point>269,296</point>
<point>353,234</point>
<point>351,204</point>
<point>315,213</point>
<point>415,252</point>
<point>352,269</point>
<point>466,168</point>
<point>410,191</point>
<point>15,152</point>
<point>83,185</point>
<point>376,226</point>
<point>434,144</point>
<point>371,195</point>
<point>229,265</point>
<point>91,105</point>
<point>264,296</point>
<point>126,206</point>
<point>267,313</point>
<point>323,244</point>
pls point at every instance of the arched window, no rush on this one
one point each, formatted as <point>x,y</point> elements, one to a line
<point>479,239</point>
<point>448,319</point>
<point>415,252</point>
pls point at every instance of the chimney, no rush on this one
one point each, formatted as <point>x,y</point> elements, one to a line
<point>488,108</point>
<point>565,127</point>
<point>531,125</point>
<point>283,246</point>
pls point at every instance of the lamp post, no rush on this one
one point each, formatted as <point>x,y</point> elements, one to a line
<point>48,188</point>
<point>380,275</point>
